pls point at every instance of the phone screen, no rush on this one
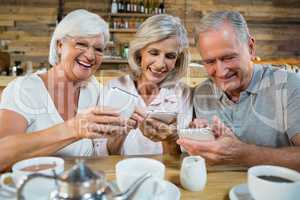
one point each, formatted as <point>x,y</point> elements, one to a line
<point>121,100</point>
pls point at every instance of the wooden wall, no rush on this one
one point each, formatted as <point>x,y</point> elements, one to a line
<point>275,24</point>
<point>26,25</point>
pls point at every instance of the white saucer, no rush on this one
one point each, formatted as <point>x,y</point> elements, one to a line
<point>169,192</point>
<point>240,192</point>
<point>31,191</point>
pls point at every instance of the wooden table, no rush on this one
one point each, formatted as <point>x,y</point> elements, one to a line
<point>219,180</point>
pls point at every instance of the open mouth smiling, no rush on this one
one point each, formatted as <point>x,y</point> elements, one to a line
<point>84,65</point>
<point>155,72</point>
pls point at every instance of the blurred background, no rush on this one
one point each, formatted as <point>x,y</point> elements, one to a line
<point>26,27</point>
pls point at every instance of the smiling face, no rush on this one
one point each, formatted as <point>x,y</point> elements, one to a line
<point>158,59</point>
<point>81,56</point>
<point>226,59</point>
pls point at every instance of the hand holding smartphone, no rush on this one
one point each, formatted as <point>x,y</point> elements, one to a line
<point>166,117</point>
<point>204,134</point>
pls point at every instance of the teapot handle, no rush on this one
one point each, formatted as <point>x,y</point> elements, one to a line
<point>27,179</point>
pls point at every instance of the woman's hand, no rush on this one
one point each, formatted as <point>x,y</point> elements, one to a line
<point>99,122</point>
<point>157,130</point>
<point>114,144</point>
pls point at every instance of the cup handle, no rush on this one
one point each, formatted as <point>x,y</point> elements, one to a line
<point>6,186</point>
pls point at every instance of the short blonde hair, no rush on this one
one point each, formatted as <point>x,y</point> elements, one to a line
<point>78,23</point>
<point>154,29</point>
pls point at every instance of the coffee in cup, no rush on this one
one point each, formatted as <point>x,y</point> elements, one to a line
<point>38,167</point>
<point>273,182</point>
<point>21,169</point>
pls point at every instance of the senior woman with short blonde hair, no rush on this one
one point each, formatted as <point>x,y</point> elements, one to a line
<point>158,59</point>
<point>155,29</point>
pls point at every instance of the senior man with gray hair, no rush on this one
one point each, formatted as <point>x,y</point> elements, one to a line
<point>253,110</point>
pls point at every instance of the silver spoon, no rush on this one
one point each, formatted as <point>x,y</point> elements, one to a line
<point>127,194</point>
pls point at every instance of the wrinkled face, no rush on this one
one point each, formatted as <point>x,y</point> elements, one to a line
<point>81,56</point>
<point>226,59</point>
<point>158,59</point>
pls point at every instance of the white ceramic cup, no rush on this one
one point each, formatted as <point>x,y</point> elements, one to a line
<point>128,170</point>
<point>193,174</point>
<point>262,189</point>
<point>18,174</point>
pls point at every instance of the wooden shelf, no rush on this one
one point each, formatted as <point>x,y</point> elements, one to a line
<point>282,61</point>
<point>130,15</point>
<point>115,61</point>
<point>123,30</point>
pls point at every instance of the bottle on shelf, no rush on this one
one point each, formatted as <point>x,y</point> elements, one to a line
<point>162,7</point>
<point>142,6</point>
<point>114,6</point>
<point>135,6</point>
<point>114,24</point>
<point>125,50</point>
<point>120,6</point>
<point>128,6</point>
<point>122,23</point>
<point>131,6</point>
<point>156,7</point>
<point>152,6</point>
<point>29,68</point>
<point>126,25</point>
<point>146,6</point>
<point>16,70</point>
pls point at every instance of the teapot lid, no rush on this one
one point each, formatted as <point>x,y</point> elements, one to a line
<point>81,173</point>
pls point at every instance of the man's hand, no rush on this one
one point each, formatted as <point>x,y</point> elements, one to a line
<point>226,149</point>
<point>199,123</point>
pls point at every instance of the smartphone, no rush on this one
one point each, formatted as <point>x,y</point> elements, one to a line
<point>166,117</point>
<point>205,134</point>
<point>121,100</point>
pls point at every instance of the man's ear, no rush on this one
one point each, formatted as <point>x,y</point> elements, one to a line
<point>251,45</point>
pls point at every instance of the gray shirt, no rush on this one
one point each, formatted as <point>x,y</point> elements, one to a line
<point>268,111</point>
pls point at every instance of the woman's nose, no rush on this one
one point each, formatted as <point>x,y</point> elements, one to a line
<point>90,54</point>
<point>160,62</point>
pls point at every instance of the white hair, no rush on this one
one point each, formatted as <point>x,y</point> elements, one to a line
<point>78,23</point>
<point>154,29</point>
<point>216,19</point>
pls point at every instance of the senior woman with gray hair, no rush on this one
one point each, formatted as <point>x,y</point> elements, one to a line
<point>158,58</point>
<point>56,112</point>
